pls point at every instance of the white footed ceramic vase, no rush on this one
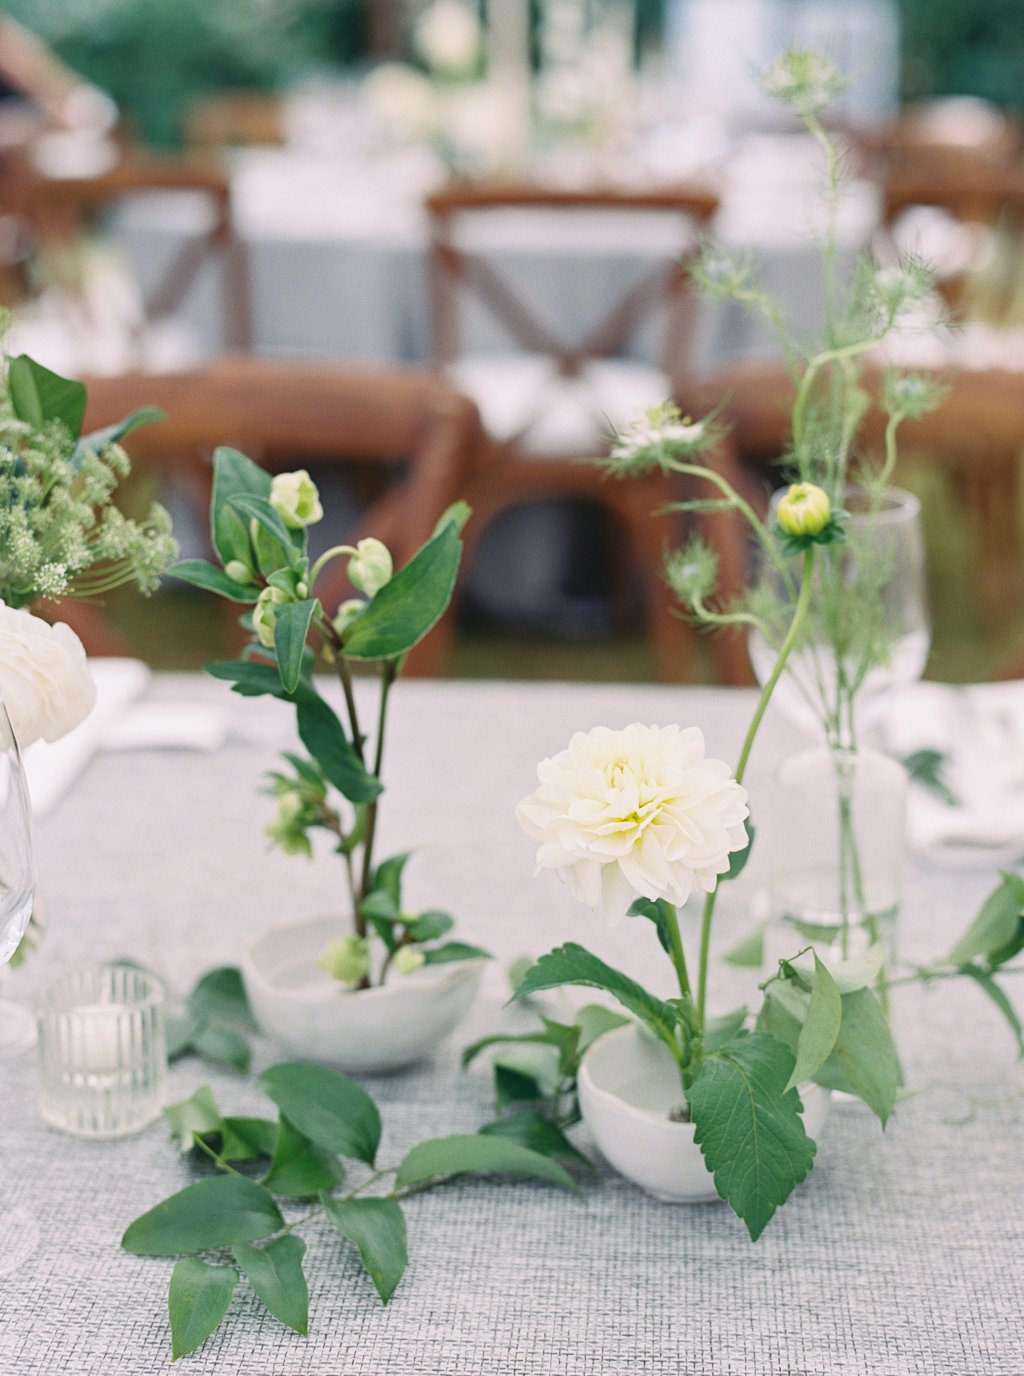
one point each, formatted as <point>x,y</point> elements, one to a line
<point>628,1084</point>
<point>360,1031</point>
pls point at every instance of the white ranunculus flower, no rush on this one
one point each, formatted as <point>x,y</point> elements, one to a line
<point>44,676</point>
<point>635,813</point>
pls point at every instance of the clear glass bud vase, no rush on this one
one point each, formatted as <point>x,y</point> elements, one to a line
<point>837,844</point>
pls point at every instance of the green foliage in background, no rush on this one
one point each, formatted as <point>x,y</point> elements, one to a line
<point>155,58</point>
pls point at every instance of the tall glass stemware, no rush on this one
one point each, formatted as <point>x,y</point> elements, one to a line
<point>17,878</point>
<point>868,628</point>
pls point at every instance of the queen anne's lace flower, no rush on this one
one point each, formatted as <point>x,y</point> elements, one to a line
<point>635,813</point>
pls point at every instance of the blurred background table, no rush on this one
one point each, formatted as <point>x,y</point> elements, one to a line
<point>897,1255</point>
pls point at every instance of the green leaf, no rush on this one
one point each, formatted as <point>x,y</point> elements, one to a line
<point>220,993</point>
<point>247,1139</point>
<point>572,964</point>
<point>291,627</point>
<point>212,1213</point>
<point>512,1086</point>
<point>98,440</point>
<point>179,1035</point>
<point>271,540</point>
<point>998,925</point>
<point>864,1060</point>
<point>538,1133</point>
<point>656,911</point>
<point>39,395</point>
<point>999,998</point>
<point>748,953</point>
<point>429,925</point>
<point>222,1044</point>
<point>250,679</point>
<point>200,574</point>
<point>928,768</point>
<point>748,1126</point>
<point>724,1028</point>
<point>323,736</point>
<point>535,1061</point>
<point>442,1158</point>
<point>507,1039</point>
<point>377,1228</point>
<point>453,951</point>
<point>387,878</point>
<point>821,1026</point>
<point>298,1169</point>
<point>593,1021</point>
<point>738,858</point>
<point>275,1273</point>
<point>233,475</point>
<point>405,609</point>
<point>194,1117</point>
<point>325,1106</point>
<point>457,515</point>
<point>199,1297</point>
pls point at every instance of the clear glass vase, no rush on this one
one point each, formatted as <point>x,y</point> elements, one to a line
<point>17,880</point>
<point>867,628</point>
<point>837,845</point>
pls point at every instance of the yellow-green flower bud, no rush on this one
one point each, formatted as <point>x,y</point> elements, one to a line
<point>370,568</point>
<point>347,613</point>
<point>346,959</point>
<point>804,510</point>
<point>264,614</point>
<point>238,571</point>
<point>295,499</point>
<point>408,960</point>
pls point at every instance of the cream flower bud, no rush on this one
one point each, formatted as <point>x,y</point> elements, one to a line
<point>370,568</point>
<point>346,959</point>
<point>264,614</point>
<point>238,570</point>
<point>295,499</point>
<point>804,510</point>
<point>347,613</point>
<point>408,960</point>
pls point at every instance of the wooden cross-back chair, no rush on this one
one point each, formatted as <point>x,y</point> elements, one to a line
<point>422,435</point>
<point>63,208</point>
<point>584,377</point>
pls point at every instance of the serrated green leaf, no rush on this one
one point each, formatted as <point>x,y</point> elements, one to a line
<point>220,993</point>
<point>453,951</point>
<point>538,1133</point>
<point>748,952</point>
<point>291,627</point>
<point>377,1228</point>
<point>722,1029</point>
<point>573,964</point>
<point>298,1169</point>
<point>656,911</point>
<point>199,1297</point>
<point>325,1106</point>
<point>864,1061</point>
<point>212,1213</point>
<point>324,737</point>
<point>443,1158</point>
<point>999,998</point>
<point>193,1117</point>
<point>275,1273</point>
<point>200,574</point>
<point>748,1127</point>
<point>39,395</point>
<point>821,1026</point>
<point>999,924</point>
<point>405,609</point>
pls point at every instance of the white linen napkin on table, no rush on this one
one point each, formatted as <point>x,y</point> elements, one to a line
<point>980,729</point>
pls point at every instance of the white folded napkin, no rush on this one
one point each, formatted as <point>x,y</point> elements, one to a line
<point>980,729</point>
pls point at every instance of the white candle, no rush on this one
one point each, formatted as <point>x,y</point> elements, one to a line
<point>96,1037</point>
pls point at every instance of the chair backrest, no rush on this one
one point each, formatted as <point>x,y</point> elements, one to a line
<point>457,270</point>
<point>280,412</point>
<point>234,119</point>
<point>63,207</point>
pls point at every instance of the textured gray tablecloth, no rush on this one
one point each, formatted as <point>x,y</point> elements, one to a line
<point>902,1253</point>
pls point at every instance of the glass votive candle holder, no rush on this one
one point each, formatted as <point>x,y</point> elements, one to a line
<point>102,1051</point>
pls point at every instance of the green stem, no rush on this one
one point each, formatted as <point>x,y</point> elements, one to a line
<point>388,674</point>
<point>792,635</point>
<point>677,953</point>
<point>814,367</point>
<point>326,558</point>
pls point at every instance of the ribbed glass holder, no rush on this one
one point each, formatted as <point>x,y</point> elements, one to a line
<point>102,1051</point>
